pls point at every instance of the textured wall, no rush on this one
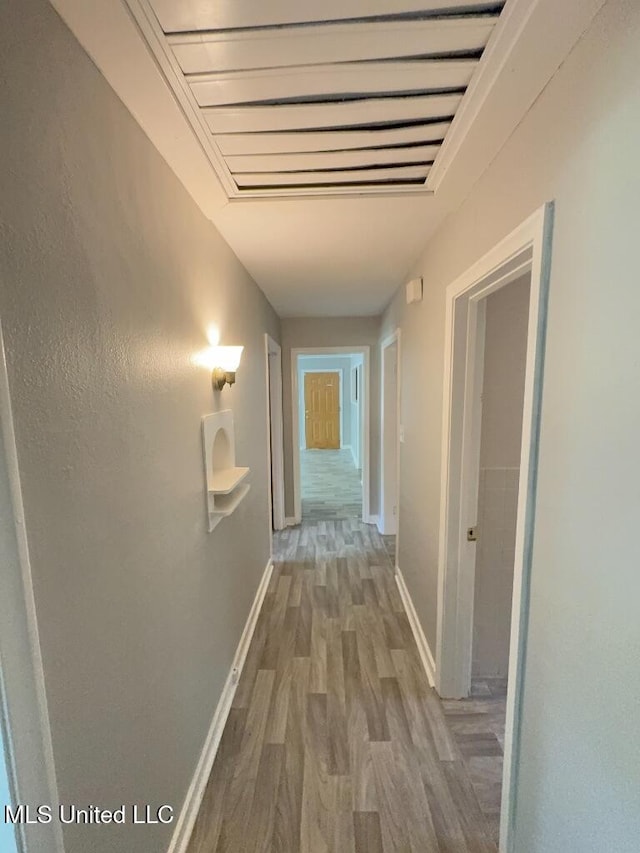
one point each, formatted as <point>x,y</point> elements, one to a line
<point>579,775</point>
<point>109,275</point>
<point>332,332</point>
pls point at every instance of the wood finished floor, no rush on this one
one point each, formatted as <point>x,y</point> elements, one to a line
<point>335,742</point>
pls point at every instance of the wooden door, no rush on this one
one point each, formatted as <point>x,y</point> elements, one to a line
<point>322,410</point>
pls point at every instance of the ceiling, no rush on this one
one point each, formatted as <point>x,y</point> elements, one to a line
<point>327,97</point>
<point>327,139</point>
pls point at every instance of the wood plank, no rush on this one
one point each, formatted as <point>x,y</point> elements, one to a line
<point>360,176</point>
<point>371,694</point>
<point>276,619</point>
<point>240,795</point>
<point>318,790</point>
<point>368,835</point>
<point>202,52</point>
<point>238,144</point>
<point>317,116</point>
<point>331,160</point>
<point>318,648</point>
<point>336,702</point>
<point>303,631</point>
<point>286,832</point>
<point>364,796</point>
<point>206,829</point>
<point>395,834</point>
<point>320,81</point>
<point>343,828</point>
<point>259,832</point>
<point>191,15</point>
<point>283,685</point>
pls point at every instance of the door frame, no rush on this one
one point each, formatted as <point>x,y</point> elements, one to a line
<point>24,714</point>
<point>528,247</point>
<point>356,383</point>
<point>386,525</point>
<point>275,435</point>
<point>340,372</point>
<point>364,351</point>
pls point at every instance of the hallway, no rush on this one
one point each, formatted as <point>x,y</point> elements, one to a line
<point>335,742</point>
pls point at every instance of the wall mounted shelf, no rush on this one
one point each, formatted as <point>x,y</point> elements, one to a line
<point>226,479</point>
<point>225,486</point>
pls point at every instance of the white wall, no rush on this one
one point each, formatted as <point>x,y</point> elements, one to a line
<point>109,276</point>
<point>579,776</point>
<point>505,352</point>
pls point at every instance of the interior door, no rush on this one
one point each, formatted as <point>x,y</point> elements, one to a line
<point>322,410</point>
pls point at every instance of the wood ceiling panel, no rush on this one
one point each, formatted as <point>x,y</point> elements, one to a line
<point>345,114</point>
<point>324,81</point>
<point>199,53</point>
<point>331,159</point>
<point>340,140</point>
<point>190,15</point>
<point>304,96</point>
<point>347,176</point>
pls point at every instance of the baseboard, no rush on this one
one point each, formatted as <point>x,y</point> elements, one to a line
<point>189,811</point>
<point>371,519</point>
<point>423,646</point>
<point>291,521</point>
<point>381,528</point>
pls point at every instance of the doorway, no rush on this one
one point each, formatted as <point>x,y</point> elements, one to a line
<point>27,773</point>
<point>388,518</point>
<point>275,431</point>
<point>322,391</point>
<point>8,841</point>
<point>330,392</point>
<point>505,320</point>
<point>524,253</point>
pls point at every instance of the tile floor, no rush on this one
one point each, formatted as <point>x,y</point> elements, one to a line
<point>330,485</point>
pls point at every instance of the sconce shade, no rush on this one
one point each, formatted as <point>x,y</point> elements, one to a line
<point>227,358</point>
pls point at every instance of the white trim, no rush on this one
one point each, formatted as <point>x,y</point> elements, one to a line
<point>290,521</point>
<point>156,42</point>
<point>519,21</point>
<point>364,351</point>
<point>508,30</point>
<point>339,370</point>
<point>275,436</point>
<point>421,641</point>
<point>189,812</point>
<point>23,700</point>
<point>529,246</point>
<point>388,525</point>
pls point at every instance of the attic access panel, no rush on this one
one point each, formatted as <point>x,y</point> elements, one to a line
<point>330,97</point>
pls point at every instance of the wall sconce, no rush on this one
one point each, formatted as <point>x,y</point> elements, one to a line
<point>221,361</point>
<point>225,362</point>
